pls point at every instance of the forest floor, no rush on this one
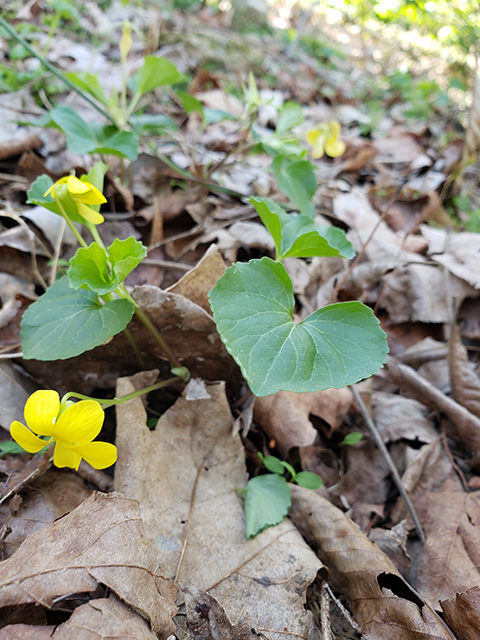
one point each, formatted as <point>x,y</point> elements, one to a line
<point>155,546</point>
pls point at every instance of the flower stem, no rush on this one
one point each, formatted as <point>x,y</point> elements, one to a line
<point>136,394</point>
<point>70,224</point>
<point>96,236</point>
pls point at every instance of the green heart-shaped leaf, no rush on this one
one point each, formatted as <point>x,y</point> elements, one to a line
<point>295,178</point>
<point>335,346</point>
<point>65,322</point>
<point>267,501</point>
<point>155,72</point>
<point>89,268</point>
<point>297,236</point>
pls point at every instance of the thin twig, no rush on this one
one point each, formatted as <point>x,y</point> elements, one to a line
<point>10,356</point>
<point>388,459</point>
<point>453,463</point>
<point>344,611</point>
<point>325,613</point>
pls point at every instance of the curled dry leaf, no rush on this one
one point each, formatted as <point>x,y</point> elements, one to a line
<point>465,382</point>
<point>450,559</point>
<point>400,418</point>
<point>463,614</point>
<point>185,474</point>
<point>383,603</point>
<point>196,284</point>
<point>285,415</point>
<point>96,620</point>
<point>101,542</point>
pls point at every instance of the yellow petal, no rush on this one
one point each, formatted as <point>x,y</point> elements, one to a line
<point>25,438</point>
<point>334,129</point>
<point>41,411</point>
<point>65,457</point>
<point>76,186</point>
<point>335,148</point>
<point>88,213</point>
<point>80,423</point>
<point>94,195</point>
<point>99,455</point>
<point>319,148</point>
<point>311,136</point>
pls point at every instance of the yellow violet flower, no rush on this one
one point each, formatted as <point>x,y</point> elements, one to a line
<point>83,193</point>
<point>326,139</point>
<point>72,430</point>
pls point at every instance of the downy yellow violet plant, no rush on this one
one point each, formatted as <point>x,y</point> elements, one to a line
<point>71,426</point>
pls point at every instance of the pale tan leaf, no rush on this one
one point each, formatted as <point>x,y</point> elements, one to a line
<point>101,542</point>
<point>285,415</point>
<point>383,603</point>
<point>463,614</point>
<point>206,619</point>
<point>185,474</point>
<point>465,382</point>
<point>196,284</point>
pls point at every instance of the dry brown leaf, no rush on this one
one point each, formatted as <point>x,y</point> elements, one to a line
<point>196,284</point>
<point>465,382</point>
<point>384,605</point>
<point>393,543</point>
<point>400,418</point>
<point>96,620</point>
<point>101,542</point>
<point>184,474</point>
<point>51,496</point>
<point>465,425</point>
<point>285,415</point>
<point>14,392</point>
<point>206,619</point>
<point>463,614</point>
<point>450,560</point>
<point>426,473</point>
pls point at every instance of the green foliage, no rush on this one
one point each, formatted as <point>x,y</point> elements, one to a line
<point>64,322</point>
<point>267,501</point>
<point>155,72</point>
<point>335,346</point>
<point>470,214</point>
<point>352,438</point>
<point>297,235</point>
<point>295,178</point>
<point>91,269</point>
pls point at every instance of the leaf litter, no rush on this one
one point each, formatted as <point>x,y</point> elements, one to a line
<point>167,554</point>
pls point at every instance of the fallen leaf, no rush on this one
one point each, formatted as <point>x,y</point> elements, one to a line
<point>184,474</point>
<point>400,418</point>
<point>47,498</point>
<point>101,542</point>
<point>463,614</point>
<point>206,619</point>
<point>383,603</point>
<point>196,284</point>
<point>285,415</point>
<point>451,555</point>
<point>465,382</point>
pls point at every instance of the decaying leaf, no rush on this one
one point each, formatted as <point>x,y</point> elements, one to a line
<point>96,620</point>
<point>285,415</point>
<point>383,603</point>
<point>184,474</point>
<point>465,382</point>
<point>47,498</point>
<point>463,614</point>
<point>206,619</point>
<point>101,542</point>
<point>450,558</point>
<point>196,283</point>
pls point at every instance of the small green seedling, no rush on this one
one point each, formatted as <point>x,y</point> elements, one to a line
<point>268,497</point>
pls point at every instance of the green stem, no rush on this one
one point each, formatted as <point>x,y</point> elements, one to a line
<point>70,224</point>
<point>96,236</point>
<point>145,320</point>
<point>51,68</point>
<point>135,349</point>
<point>122,399</point>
